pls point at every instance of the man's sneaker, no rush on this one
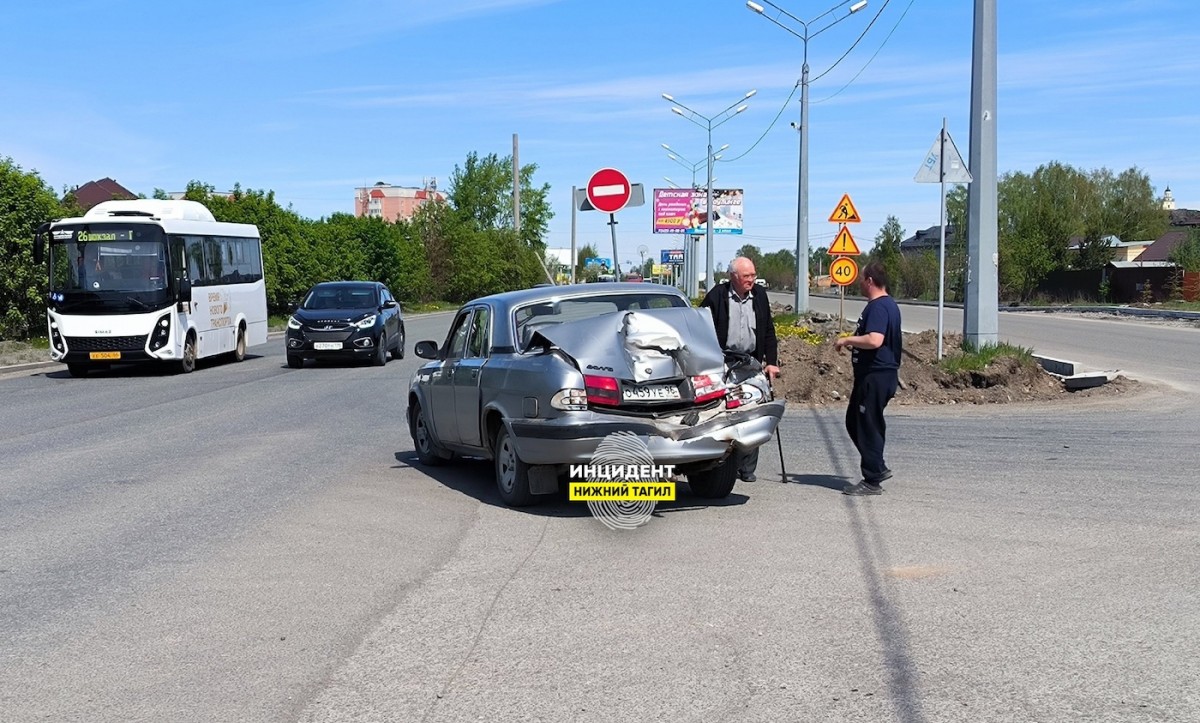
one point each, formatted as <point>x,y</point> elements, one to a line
<point>862,489</point>
<point>883,477</point>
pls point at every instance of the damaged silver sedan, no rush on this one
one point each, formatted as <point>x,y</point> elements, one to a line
<point>536,379</point>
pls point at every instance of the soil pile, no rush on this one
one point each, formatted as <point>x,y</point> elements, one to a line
<point>814,373</point>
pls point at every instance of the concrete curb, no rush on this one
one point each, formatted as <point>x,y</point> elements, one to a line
<point>1094,309</point>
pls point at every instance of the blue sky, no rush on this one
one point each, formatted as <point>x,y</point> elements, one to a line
<point>311,99</point>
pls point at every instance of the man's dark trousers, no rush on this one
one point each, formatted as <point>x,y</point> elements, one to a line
<point>864,419</point>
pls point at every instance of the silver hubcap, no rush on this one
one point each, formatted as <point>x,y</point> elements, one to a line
<point>422,433</point>
<point>506,463</point>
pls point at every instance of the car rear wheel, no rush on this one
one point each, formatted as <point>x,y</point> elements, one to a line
<point>398,352</point>
<point>422,438</point>
<point>512,475</point>
<point>381,351</point>
<point>716,483</point>
<point>239,351</point>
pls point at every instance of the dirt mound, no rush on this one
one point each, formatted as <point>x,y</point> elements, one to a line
<point>814,373</point>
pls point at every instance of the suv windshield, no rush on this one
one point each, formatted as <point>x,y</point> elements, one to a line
<point>341,296</point>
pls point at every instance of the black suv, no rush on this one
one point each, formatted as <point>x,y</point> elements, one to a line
<point>346,320</point>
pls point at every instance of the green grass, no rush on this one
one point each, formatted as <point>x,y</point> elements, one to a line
<point>1181,305</point>
<point>426,307</point>
<point>975,359</point>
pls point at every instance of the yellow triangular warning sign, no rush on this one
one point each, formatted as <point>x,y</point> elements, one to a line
<point>845,212</point>
<point>844,244</point>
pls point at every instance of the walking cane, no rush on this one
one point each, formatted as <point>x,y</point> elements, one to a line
<point>782,469</point>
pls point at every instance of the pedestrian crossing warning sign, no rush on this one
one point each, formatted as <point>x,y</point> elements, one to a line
<point>844,244</point>
<point>845,212</point>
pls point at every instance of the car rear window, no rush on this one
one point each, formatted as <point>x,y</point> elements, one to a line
<point>539,315</point>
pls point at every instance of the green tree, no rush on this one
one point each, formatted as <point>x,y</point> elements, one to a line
<point>26,202</point>
<point>778,268</point>
<point>887,250</point>
<point>751,252</point>
<point>1187,254</point>
<point>482,190</point>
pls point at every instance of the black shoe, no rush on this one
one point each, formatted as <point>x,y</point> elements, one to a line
<point>883,477</point>
<point>862,489</point>
<point>748,477</point>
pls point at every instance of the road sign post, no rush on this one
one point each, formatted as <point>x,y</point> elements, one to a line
<point>942,164</point>
<point>843,271</point>
<point>608,190</point>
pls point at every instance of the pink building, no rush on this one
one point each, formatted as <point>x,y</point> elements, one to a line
<point>393,203</point>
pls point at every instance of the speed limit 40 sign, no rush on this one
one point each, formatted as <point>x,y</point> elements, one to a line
<point>843,271</point>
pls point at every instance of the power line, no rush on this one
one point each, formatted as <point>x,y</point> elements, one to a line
<point>855,45</point>
<point>872,58</point>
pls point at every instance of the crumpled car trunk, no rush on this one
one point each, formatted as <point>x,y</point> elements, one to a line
<point>642,345</point>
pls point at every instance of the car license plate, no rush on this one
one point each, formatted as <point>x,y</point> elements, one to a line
<point>650,392</point>
<point>327,345</point>
<point>104,355</point>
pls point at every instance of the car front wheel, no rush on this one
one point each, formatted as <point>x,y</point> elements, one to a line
<point>381,351</point>
<point>512,475</point>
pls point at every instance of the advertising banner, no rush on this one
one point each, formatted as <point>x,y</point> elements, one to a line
<point>682,210</point>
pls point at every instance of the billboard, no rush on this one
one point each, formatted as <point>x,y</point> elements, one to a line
<point>682,210</point>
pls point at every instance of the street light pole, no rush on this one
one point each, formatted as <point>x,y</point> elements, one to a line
<point>800,299</point>
<point>708,124</point>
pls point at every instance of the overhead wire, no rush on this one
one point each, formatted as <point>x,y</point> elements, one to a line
<point>873,56</point>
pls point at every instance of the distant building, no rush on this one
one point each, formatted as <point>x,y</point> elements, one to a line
<point>106,189</point>
<point>927,240</point>
<point>1168,202</point>
<point>394,203</point>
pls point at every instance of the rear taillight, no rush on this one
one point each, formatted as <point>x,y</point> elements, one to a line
<point>602,390</point>
<point>570,400</point>
<point>707,387</point>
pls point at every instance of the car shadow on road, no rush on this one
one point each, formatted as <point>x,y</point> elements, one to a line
<point>133,370</point>
<point>475,477</point>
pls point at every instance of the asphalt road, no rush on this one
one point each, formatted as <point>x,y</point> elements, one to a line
<point>251,542</point>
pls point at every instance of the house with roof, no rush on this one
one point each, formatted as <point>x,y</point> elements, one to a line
<point>106,189</point>
<point>926,240</point>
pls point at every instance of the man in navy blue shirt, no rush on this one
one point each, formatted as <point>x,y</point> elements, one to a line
<point>875,356</point>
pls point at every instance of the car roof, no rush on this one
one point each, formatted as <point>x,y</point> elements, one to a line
<point>508,300</point>
<point>345,284</point>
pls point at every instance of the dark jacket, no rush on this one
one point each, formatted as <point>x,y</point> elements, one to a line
<point>766,346</point>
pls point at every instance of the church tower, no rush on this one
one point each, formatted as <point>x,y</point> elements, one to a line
<point>1168,202</point>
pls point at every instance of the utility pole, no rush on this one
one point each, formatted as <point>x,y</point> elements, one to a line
<point>516,188</point>
<point>981,313</point>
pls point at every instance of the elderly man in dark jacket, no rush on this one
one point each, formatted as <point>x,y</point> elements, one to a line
<point>742,315</point>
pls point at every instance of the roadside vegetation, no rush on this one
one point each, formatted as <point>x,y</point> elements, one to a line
<point>450,252</point>
<point>970,358</point>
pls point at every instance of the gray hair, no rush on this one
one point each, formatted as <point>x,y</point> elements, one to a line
<point>739,261</point>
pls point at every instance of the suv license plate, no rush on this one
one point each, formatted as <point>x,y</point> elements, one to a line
<point>104,355</point>
<point>327,345</point>
<point>650,392</point>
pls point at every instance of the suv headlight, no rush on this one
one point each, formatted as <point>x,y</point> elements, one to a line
<point>367,322</point>
<point>292,323</point>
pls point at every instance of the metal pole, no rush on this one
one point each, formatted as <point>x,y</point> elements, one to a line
<point>981,316</point>
<point>612,225</point>
<point>942,240</point>
<point>708,224</point>
<point>574,258</point>
<point>800,302</point>
<point>516,189</point>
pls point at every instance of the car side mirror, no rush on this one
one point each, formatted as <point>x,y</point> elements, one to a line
<point>185,289</point>
<point>390,304</point>
<point>426,349</point>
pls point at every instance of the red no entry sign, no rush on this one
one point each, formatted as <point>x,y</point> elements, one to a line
<point>608,190</point>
